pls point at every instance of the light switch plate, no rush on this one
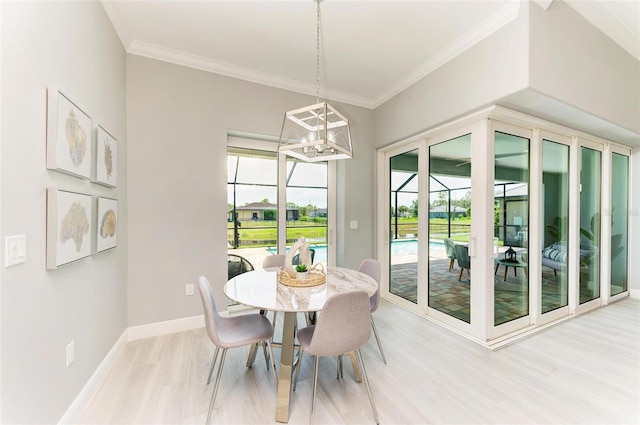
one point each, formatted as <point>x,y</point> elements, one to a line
<point>15,250</point>
<point>353,224</point>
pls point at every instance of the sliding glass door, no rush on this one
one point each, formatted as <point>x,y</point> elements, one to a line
<point>450,227</point>
<point>511,201</point>
<point>555,255</point>
<point>590,206</point>
<point>619,223</point>
<point>492,228</point>
<point>403,225</point>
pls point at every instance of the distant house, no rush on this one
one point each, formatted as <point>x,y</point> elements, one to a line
<point>260,211</point>
<point>441,211</point>
<point>320,212</point>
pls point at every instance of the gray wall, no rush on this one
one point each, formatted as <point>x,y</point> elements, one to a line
<point>575,63</point>
<point>73,46</point>
<point>178,121</point>
<point>493,68</point>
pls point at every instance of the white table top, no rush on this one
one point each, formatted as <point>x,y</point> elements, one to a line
<point>260,289</point>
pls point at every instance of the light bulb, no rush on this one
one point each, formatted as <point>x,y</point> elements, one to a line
<point>303,139</point>
<point>311,136</point>
<point>331,136</point>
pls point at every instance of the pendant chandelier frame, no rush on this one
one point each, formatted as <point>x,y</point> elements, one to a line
<point>317,132</point>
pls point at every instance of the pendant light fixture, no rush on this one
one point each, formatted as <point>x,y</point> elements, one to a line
<point>317,132</point>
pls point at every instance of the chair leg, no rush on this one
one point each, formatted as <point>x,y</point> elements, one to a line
<point>451,264</point>
<point>217,384</point>
<point>339,370</point>
<point>213,364</point>
<point>266,356</point>
<point>273,363</point>
<point>298,366</point>
<point>460,275</point>
<point>366,384</point>
<point>315,385</point>
<point>375,333</point>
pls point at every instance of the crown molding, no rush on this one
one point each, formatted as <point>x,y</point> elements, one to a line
<point>112,8</point>
<point>490,25</point>
<point>205,64</point>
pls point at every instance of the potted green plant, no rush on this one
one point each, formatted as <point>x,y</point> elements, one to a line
<point>302,272</point>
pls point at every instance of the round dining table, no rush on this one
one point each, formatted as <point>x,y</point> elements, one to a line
<point>262,290</point>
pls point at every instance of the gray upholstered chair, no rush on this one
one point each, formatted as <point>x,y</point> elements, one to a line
<point>464,262</point>
<point>450,247</point>
<point>271,261</point>
<point>342,326</point>
<point>274,260</point>
<point>231,332</point>
<point>372,268</point>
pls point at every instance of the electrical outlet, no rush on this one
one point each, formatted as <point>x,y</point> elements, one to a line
<point>70,353</point>
<point>188,290</point>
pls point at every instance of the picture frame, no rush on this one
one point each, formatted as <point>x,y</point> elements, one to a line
<point>69,227</point>
<point>69,136</point>
<point>106,158</point>
<point>107,224</point>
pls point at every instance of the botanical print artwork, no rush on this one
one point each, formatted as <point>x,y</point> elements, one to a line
<point>75,225</point>
<point>69,142</point>
<point>107,231</point>
<point>108,226</point>
<point>69,226</point>
<point>106,158</point>
<point>76,139</point>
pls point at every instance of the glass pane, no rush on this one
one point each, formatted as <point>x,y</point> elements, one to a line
<point>511,227</point>
<point>403,255</point>
<point>252,196</point>
<point>450,227</point>
<point>590,181</point>
<point>307,206</point>
<point>619,223</point>
<point>306,174</point>
<point>555,216</point>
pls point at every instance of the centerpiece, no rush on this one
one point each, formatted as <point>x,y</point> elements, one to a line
<point>303,273</point>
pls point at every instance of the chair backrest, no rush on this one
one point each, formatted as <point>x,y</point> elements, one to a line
<point>450,247</point>
<point>275,260</point>
<point>237,265</point>
<point>211,315</point>
<point>343,325</point>
<point>371,267</point>
<point>462,255</point>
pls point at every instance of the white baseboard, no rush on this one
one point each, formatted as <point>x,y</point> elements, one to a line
<point>167,327</point>
<point>82,400</point>
<point>634,293</point>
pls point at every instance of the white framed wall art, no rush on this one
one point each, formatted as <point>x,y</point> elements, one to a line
<point>69,217</point>
<point>107,224</point>
<point>68,136</point>
<point>106,148</point>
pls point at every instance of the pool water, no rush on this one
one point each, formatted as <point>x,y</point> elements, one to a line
<point>402,247</point>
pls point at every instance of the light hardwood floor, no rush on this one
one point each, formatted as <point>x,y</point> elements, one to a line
<point>583,371</point>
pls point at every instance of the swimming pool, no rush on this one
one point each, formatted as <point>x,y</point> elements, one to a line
<point>400,247</point>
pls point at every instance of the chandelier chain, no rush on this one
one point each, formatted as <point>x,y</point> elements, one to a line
<point>318,52</point>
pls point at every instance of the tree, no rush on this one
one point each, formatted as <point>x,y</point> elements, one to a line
<point>414,208</point>
<point>265,201</point>
<point>403,210</point>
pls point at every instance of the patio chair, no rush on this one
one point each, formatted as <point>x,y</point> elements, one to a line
<point>237,265</point>
<point>464,262</point>
<point>450,247</point>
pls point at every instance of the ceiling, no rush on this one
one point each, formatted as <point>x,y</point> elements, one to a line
<point>370,50</point>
